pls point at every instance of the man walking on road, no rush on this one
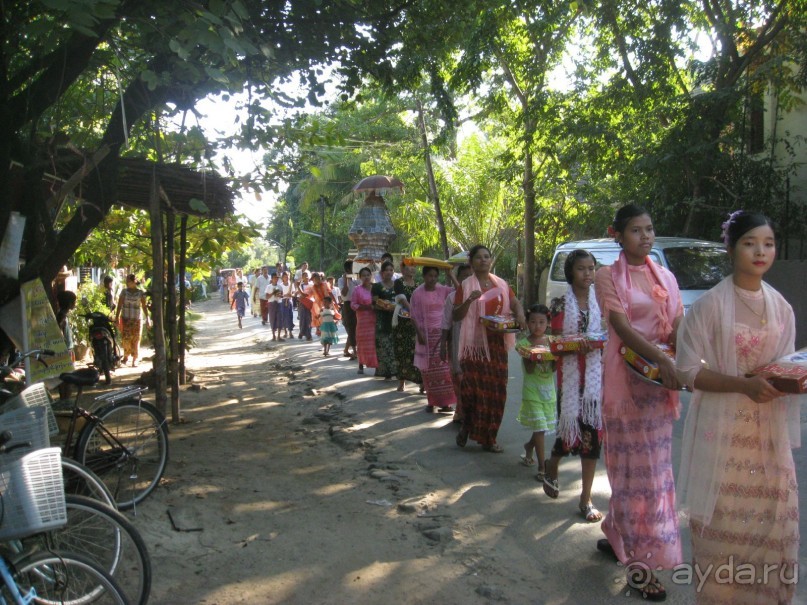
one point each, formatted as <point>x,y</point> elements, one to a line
<point>259,290</point>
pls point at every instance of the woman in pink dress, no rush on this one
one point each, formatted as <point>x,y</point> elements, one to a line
<point>737,476</point>
<point>426,309</point>
<point>362,303</point>
<point>642,305</point>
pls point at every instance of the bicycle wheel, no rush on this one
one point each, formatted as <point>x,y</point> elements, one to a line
<point>127,447</point>
<point>108,539</point>
<point>66,579</point>
<point>81,481</point>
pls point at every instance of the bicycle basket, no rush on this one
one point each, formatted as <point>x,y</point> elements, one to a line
<point>26,424</point>
<point>35,395</point>
<point>32,494</point>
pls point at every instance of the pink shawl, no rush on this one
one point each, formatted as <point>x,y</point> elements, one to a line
<point>425,320</point>
<point>665,290</point>
<point>474,336</point>
<point>706,340</point>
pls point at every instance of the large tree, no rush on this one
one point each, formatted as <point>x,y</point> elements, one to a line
<point>86,76</point>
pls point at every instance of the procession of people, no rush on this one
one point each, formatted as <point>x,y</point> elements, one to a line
<point>737,480</point>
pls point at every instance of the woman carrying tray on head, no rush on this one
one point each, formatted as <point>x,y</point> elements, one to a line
<point>483,353</point>
<point>641,302</point>
<point>737,476</point>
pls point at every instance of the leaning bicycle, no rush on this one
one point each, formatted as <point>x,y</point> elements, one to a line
<point>32,501</point>
<point>124,441</point>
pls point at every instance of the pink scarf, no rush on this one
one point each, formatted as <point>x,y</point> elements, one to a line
<point>665,293</point>
<point>474,336</point>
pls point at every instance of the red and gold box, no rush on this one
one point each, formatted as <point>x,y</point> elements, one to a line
<point>647,368</point>
<point>499,323</point>
<point>538,353</point>
<point>788,374</point>
<point>566,344</point>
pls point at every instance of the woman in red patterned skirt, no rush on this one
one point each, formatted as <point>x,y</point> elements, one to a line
<point>483,354</point>
<point>362,303</point>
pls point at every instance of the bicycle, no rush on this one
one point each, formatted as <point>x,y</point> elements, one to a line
<point>124,442</point>
<point>32,500</point>
<point>93,527</point>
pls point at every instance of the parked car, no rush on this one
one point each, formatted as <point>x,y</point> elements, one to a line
<point>697,264</point>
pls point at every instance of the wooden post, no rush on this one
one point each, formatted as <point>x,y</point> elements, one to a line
<point>171,311</point>
<point>157,295</point>
<point>183,295</point>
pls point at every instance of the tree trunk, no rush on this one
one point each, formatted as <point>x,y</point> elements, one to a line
<point>529,214</point>
<point>441,226</point>
<point>157,296</point>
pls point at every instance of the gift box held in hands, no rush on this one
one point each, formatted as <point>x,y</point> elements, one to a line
<point>537,353</point>
<point>644,366</point>
<point>788,374</point>
<point>499,323</point>
<point>575,342</point>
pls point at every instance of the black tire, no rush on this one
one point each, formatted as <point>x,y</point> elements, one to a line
<point>61,578</point>
<point>81,481</point>
<point>105,361</point>
<point>108,539</point>
<point>127,448</point>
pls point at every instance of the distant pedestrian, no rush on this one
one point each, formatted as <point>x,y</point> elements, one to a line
<point>404,334</point>
<point>240,302</point>
<point>365,321</point>
<point>538,398</point>
<point>327,326</point>
<point>347,285</point>
<point>259,298</point>
<point>109,293</point>
<point>286,310</point>
<point>274,296</point>
<point>131,312</point>
<point>383,301</point>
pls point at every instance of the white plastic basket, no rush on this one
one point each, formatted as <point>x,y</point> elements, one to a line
<point>32,396</point>
<point>32,494</point>
<point>26,425</point>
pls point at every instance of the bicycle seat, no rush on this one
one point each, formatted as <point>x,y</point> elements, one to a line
<point>84,377</point>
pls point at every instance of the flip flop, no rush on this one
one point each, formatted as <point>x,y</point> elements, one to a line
<point>590,513</point>
<point>604,546</point>
<point>527,461</point>
<point>493,448</point>
<point>551,488</point>
<point>637,579</point>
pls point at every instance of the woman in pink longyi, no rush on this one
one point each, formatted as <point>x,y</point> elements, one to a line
<point>427,305</point>
<point>641,302</point>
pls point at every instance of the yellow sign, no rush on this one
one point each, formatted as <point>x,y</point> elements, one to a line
<point>43,333</point>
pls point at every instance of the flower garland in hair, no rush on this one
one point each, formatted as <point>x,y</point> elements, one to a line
<point>724,235</point>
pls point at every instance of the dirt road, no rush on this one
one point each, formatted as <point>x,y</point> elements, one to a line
<point>295,480</point>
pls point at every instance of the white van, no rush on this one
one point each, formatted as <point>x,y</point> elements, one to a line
<point>697,265</point>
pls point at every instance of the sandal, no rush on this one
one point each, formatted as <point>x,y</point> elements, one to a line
<point>539,476</point>
<point>493,448</point>
<point>551,488</point>
<point>462,438</point>
<point>527,460</point>
<point>603,545</point>
<point>590,513</point>
<point>642,579</point>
